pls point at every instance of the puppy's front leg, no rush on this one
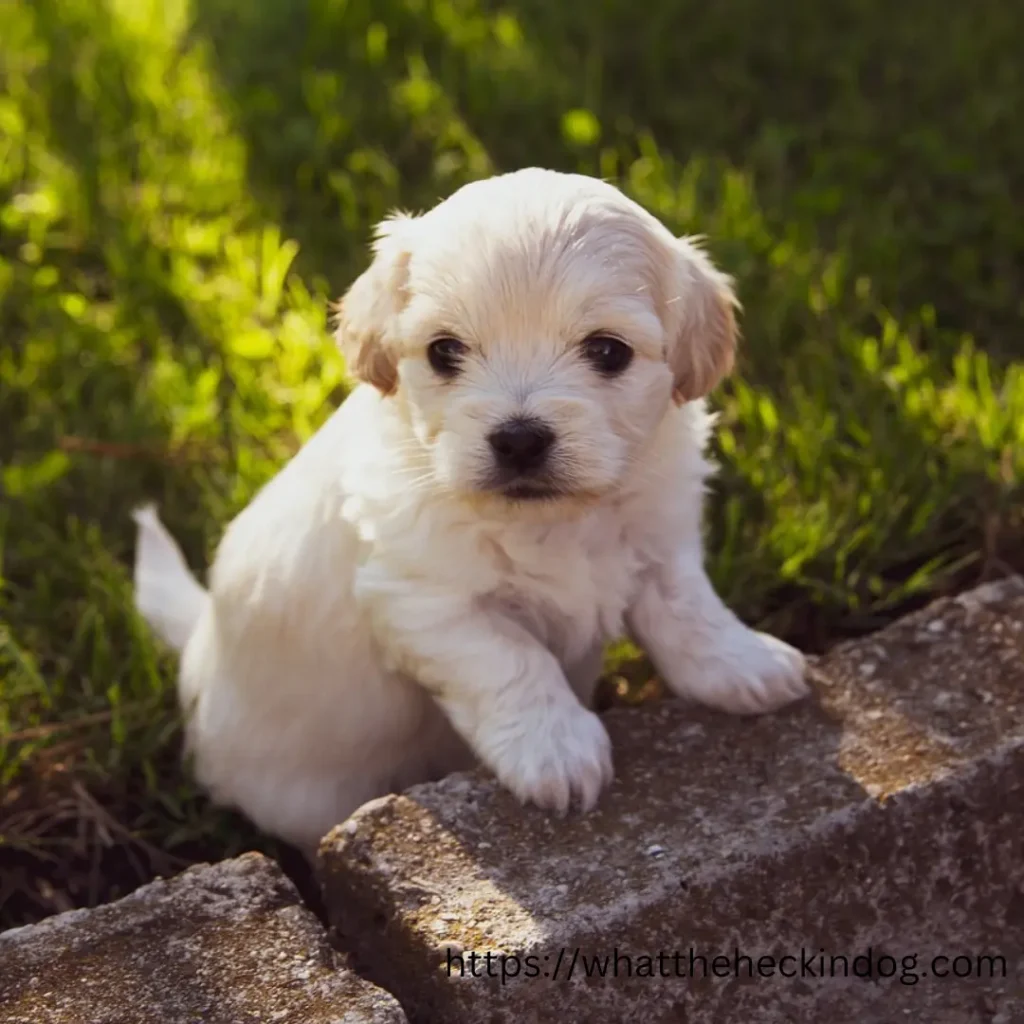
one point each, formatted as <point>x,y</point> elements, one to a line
<point>703,651</point>
<point>503,692</point>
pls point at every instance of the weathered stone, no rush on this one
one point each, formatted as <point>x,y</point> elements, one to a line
<point>222,944</point>
<point>887,812</point>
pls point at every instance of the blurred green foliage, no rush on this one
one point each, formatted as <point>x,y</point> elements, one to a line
<point>185,186</point>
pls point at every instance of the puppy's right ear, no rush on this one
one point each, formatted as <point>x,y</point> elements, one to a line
<point>367,314</point>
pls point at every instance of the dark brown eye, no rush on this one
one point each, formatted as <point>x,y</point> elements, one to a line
<point>607,354</point>
<point>445,355</point>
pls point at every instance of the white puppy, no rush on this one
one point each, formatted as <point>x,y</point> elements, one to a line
<point>518,479</point>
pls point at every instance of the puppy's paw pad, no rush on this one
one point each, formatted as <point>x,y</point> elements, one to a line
<point>557,759</point>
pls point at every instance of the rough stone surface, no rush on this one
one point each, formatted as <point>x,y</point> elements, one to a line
<point>222,944</point>
<point>887,812</point>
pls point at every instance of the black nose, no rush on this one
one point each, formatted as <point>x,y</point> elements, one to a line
<point>521,445</point>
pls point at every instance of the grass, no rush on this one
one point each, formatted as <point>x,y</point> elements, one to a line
<point>184,186</point>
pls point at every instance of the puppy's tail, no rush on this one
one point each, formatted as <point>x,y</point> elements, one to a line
<point>167,595</point>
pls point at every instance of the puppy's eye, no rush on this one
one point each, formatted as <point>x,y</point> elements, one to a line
<point>607,354</point>
<point>445,355</point>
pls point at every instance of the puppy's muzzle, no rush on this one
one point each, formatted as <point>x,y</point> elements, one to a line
<point>521,446</point>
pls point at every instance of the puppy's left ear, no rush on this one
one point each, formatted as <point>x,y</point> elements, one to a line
<point>366,316</point>
<point>700,320</point>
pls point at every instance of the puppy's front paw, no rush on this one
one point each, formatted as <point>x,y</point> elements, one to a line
<point>745,673</point>
<point>553,759</point>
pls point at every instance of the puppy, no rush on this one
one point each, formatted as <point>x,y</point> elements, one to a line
<point>517,479</point>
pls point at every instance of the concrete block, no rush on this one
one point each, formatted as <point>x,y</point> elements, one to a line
<point>884,818</point>
<point>222,944</point>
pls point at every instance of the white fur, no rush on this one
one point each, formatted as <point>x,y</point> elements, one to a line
<point>166,594</point>
<point>381,615</point>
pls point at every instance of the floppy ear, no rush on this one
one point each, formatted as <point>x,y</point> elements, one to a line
<point>366,315</point>
<point>700,320</point>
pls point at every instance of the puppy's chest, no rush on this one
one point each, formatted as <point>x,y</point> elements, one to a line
<point>569,587</point>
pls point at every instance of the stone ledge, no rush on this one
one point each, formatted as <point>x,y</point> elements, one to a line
<point>888,812</point>
<point>222,944</point>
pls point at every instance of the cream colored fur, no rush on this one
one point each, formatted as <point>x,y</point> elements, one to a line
<point>381,615</point>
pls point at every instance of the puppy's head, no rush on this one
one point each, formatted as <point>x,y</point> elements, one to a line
<point>534,329</point>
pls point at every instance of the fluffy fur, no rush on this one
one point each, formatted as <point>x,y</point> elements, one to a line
<point>385,611</point>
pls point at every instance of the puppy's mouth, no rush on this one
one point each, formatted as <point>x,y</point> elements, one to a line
<point>531,490</point>
<point>525,487</point>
